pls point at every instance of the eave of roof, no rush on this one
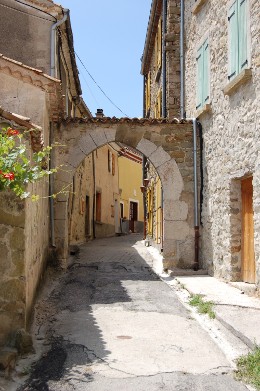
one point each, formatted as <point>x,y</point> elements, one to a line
<point>134,121</point>
<point>155,13</point>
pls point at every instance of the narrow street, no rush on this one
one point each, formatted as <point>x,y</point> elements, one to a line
<point>110,323</point>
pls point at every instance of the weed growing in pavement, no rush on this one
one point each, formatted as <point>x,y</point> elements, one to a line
<point>204,307</point>
<point>248,368</point>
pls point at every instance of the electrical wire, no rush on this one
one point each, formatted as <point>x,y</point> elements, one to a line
<point>99,86</point>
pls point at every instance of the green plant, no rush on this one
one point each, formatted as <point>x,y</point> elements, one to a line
<point>248,368</point>
<point>17,167</point>
<point>204,307</point>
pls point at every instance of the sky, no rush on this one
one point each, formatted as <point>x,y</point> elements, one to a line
<point>109,39</point>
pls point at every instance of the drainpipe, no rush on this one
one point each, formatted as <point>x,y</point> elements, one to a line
<point>182,69</point>
<point>94,196</point>
<point>196,220</point>
<point>53,74</point>
<point>194,122</point>
<point>164,96</point>
<point>54,42</point>
<point>51,192</point>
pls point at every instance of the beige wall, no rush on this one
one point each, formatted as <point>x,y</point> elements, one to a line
<point>24,225</point>
<point>230,134</point>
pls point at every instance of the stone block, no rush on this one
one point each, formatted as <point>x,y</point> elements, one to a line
<point>86,144</point>
<point>159,157</point>
<point>146,147</point>
<point>171,180</point>
<point>110,134</point>
<point>75,157</point>
<point>13,290</point>
<point>17,238</point>
<point>176,210</point>
<point>65,173</point>
<point>23,342</point>
<point>176,230</point>
<point>99,137</point>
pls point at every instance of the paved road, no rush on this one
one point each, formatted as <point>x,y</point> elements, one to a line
<point>111,324</point>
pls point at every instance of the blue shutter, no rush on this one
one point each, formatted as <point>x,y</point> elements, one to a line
<point>233,41</point>
<point>205,93</point>
<point>242,34</point>
<point>199,77</point>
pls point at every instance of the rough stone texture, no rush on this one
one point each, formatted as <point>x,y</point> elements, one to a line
<point>169,147</point>
<point>230,134</point>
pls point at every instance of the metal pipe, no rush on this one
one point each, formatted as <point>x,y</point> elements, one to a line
<point>164,95</point>
<point>51,191</point>
<point>94,196</point>
<point>54,43</point>
<point>196,220</point>
<point>182,64</point>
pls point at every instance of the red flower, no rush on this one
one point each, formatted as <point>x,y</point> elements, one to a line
<point>12,132</point>
<point>9,175</point>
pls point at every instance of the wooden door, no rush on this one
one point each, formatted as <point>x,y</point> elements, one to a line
<point>133,215</point>
<point>247,251</point>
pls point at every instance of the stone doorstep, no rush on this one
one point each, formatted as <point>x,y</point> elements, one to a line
<point>176,272</point>
<point>245,287</point>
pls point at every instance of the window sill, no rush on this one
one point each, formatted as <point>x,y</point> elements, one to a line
<point>197,6</point>
<point>205,109</point>
<point>238,81</point>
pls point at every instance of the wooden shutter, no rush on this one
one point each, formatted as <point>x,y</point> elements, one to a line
<point>233,41</point>
<point>242,34</point>
<point>205,92</point>
<point>148,92</point>
<point>159,44</point>
<point>113,164</point>
<point>199,77</point>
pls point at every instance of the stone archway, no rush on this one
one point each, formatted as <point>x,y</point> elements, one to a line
<point>167,145</point>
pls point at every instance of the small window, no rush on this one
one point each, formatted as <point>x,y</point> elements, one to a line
<point>158,105</point>
<point>109,163</point>
<point>113,164</point>
<point>98,207</point>
<point>202,75</point>
<point>148,93</point>
<point>237,21</point>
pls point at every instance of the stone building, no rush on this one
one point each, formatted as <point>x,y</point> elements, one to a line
<point>201,61</point>
<point>222,81</point>
<point>39,82</point>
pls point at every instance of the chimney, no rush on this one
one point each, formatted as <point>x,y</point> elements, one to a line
<point>99,113</point>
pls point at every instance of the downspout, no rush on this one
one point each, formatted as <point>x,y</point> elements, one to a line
<point>53,74</point>
<point>182,75</point>
<point>194,123</point>
<point>94,196</point>
<point>164,95</point>
<point>54,41</point>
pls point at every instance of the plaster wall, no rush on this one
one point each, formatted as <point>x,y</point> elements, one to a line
<point>230,135</point>
<point>30,37</point>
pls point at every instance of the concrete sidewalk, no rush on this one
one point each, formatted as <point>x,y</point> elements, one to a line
<point>238,312</point>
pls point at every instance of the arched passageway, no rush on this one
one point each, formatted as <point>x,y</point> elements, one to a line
<point>167,145</point>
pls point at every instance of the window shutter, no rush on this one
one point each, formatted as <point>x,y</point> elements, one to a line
<point>199,77</point>
<point>205,93</point>
<point>242,34</point>
<point>159,44</point>
<point>233,41</point>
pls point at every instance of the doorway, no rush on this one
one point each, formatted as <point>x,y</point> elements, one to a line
<point>87,218</point>
<point>247,253</point>
<point>133,215</point>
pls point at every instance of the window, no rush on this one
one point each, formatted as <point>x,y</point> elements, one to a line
<point>109,163</point>
<point>113,164</point>
<point>237,20</point>
<point>148,93</point>
<point>158,105</point>
<point>158,45</point>
<point>98,207</point>
<point>202,75</point>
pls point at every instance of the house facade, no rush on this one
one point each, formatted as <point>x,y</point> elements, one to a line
<point>210,72</point>
<point>40,84</point>
<point>222,82</point>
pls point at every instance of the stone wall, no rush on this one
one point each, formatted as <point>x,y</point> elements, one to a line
<point>168,146</point>
<point>230,133</point>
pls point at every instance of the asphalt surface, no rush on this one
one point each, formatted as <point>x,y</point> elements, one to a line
<point>109,323</point>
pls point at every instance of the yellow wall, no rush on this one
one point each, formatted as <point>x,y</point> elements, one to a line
<point>130,180</point>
